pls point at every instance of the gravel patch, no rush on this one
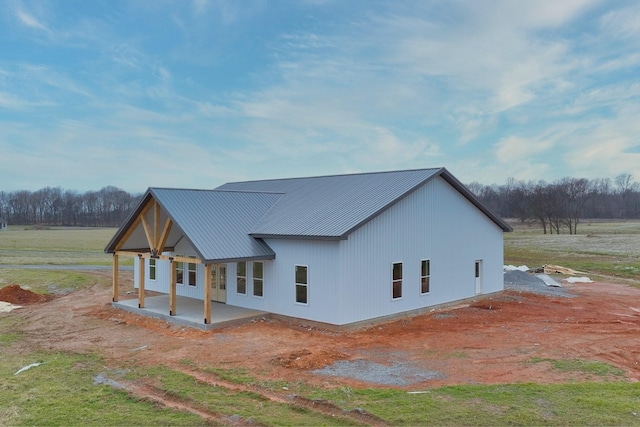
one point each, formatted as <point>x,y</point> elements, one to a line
<point>398,374</point>
<point>522,281</point>
<point>101,379</point>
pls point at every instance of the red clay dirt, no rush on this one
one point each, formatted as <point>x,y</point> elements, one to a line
<point>502,339</point>
<point>16,295</point>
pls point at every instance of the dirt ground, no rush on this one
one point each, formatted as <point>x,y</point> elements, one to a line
<point>491,341</point>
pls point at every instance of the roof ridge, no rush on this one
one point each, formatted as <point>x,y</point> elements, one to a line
<point>334,175</point>
<point>215,190</point>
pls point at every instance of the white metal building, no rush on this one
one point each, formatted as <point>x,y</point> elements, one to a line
<point>334,249</point>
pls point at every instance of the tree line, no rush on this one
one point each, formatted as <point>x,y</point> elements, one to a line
<point>559,206</point>
<point>107,207</point>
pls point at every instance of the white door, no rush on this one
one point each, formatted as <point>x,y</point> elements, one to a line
<point>479,277</point>
<point>219,283</point>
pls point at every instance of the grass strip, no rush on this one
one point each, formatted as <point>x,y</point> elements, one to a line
<point>62,392</point>
<point>49,281</point>
<point>600,369</point>
<point>248,405</point>
<point>498,405</point>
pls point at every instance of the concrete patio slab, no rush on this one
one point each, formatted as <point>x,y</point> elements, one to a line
<point>190,312</point>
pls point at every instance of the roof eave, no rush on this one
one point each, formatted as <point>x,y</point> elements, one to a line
<point>460,187</point>
<point>240,259</point>
<point>137,211</point>
<point>296,236</point>
<point>454,182</point>
<point>110,248</point>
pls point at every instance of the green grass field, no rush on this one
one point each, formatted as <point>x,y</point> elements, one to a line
<point>610,249</point>
<point>55,246</point>
<point>63,390</point>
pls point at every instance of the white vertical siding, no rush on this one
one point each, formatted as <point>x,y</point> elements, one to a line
<point>350,280</point>
<point>435,222</point>
<point>161,284</point>
<point>322,260</point>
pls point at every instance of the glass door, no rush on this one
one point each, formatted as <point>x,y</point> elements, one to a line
<point>219,283</point>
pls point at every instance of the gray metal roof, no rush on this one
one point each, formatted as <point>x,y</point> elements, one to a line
<point>227,224</point>
<point>332,207</point>
<point>216,223</point>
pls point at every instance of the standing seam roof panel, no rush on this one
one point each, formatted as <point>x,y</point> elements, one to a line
<point>217,223</point>
<point>330,206</point>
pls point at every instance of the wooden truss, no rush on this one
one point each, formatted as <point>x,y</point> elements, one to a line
<point>157,235</point>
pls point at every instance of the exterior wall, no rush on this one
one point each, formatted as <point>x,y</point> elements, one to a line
<point>161,284</point>
<point>351,280</point>
<point>435,222</point>
<point>322,261</point>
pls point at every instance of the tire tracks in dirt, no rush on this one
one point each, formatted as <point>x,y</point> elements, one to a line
<point>314,405</point>
<point>159,397</point>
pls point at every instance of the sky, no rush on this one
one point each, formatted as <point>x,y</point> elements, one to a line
<point>193,94</point>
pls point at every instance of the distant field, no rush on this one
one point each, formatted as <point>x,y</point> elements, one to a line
<point>601,247</point>
<point>56,246</point>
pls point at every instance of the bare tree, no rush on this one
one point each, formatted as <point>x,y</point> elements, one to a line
<point>624,184</point>
<point>576,193</point>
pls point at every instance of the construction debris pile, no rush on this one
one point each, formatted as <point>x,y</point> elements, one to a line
<point>538,280</point>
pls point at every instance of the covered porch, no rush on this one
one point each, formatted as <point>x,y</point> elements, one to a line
<point>181,228</point>
<point>150,233</point>
<point>190,312</point>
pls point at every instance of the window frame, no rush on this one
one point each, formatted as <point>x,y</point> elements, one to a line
<point>396,281</point>
<point>257,280</point>
<point>299,285</point>
<point>179,273</point>
<point>153,269</point>
<point>240,277</point>
<point>191,271</point>
<point>424,276</point>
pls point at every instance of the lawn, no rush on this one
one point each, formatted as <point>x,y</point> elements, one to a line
<point>610,249</point>
<point>65,389</point>
<point>55,246</point>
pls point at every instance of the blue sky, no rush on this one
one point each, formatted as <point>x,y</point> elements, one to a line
<point>197,93</point>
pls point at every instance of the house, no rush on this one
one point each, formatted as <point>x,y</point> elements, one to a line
<point>339,250</point>
<point>3,224</point>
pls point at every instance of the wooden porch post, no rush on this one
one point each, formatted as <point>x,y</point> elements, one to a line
<point>140,281</point>
<point>115,277</point>
<point>207,294</point>
<point>172,287</point>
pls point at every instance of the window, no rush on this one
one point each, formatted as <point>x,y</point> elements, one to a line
<point>302,284</point>
<point>241,278</point>
<point>258,279</point>
<point>396,280</point>
<point>425,274</point>
<point>180,273</point>
<point>192,274</point>
<point>152,269</point>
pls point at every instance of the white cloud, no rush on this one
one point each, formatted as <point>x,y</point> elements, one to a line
<point>13,102</point>
<point>624,22</point>
<point>490,89</point>
<point>515,149</point>
<point>200,6</point>
<point>30,20</point>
